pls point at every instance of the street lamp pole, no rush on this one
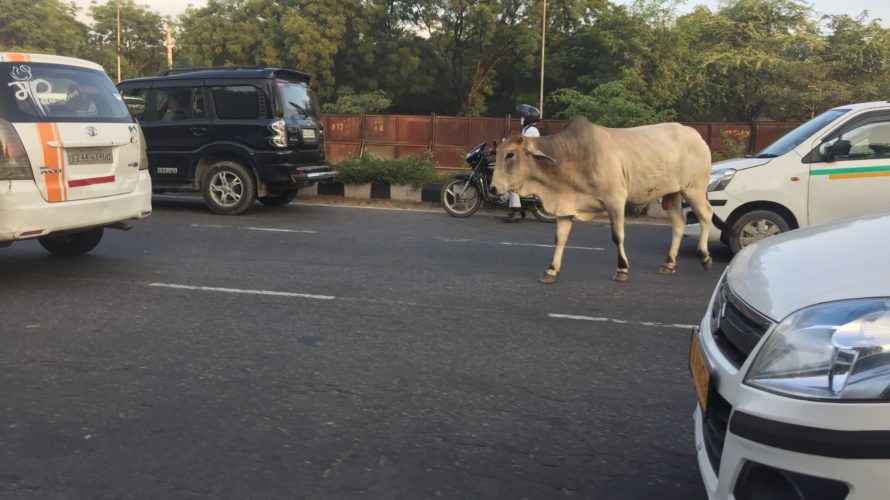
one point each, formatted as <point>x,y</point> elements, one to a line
<point>118,40</point>
<point>543,42</point>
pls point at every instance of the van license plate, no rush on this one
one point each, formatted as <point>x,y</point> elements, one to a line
<point>89,156</point>
<point>701,376</point>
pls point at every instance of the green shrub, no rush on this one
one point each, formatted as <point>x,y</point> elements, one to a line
<point>733,147</point>
<point>366,168</point>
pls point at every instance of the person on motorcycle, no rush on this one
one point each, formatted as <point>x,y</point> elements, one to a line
<point>528,116</point>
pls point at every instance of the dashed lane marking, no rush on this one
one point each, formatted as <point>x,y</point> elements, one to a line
<point>252,228</point>
<point>517,244</point>
<point>622,321</point>
<point>242,291</point>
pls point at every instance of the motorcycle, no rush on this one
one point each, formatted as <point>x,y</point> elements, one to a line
<point>464,193</point>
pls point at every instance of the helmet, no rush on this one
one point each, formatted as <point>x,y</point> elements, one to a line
<point>529,114</point>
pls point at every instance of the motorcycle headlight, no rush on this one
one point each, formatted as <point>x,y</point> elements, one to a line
<point>720,179</point>
<point>836,351</point>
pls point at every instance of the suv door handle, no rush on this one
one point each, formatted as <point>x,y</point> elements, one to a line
<point>198,130</point>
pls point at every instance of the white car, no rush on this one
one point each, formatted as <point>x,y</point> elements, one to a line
<point>791,365</point>
<point>834,166</point>
<point>72,158</point>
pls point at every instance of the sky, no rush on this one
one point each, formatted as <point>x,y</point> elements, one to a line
<point>876,8</point>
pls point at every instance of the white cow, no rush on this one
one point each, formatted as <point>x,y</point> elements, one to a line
<point>585,169</point>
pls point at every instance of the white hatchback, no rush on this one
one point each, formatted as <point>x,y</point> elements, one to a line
<point>72,159</point>
<point>791,365</point>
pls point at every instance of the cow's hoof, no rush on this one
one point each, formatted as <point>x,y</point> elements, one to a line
<point>667,270</point>
<point>707,262</point>
<point>547,279</point>
<point>621,276</point>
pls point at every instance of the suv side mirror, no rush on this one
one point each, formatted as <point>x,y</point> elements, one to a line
<point>839,148</point>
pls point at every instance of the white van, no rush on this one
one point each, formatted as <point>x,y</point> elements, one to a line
<point>834,166</point>
<point>72,159</point>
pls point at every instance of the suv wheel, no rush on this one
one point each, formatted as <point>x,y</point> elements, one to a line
<point>228,188</point>
<point>279,197</point>
<point>71,244</point>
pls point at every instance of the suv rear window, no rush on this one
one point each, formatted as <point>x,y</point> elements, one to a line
<point>299,98</point>
<point>235,102</point>
<point>58,93</point>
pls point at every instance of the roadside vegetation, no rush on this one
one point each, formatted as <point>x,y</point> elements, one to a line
<point>620,65</point>
<point>366,168</point>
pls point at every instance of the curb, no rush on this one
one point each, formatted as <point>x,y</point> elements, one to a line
<point>428,193</point>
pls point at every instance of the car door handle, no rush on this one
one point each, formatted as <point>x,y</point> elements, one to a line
<point>198,130</point>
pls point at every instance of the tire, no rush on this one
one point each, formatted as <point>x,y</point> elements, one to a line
<point>228,188</point>
<point>754,226</point>
<point>460,198</point>
<point>542,215</point>
<point>71,244</point>
<point>278,198</point>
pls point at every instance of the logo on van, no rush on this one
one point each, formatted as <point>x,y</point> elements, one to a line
<point>92,132</point>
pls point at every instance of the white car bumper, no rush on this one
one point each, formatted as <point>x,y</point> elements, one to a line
<point>24,213</point>
<point>770,442</point>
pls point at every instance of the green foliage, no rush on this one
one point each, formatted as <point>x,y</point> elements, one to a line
<point>733,147</point>
<point>366,168</point>
<point>348,102</point>
<point>44,26</point>
<point>609,105</point>
<point>142,38</point>
<point>746,60</point>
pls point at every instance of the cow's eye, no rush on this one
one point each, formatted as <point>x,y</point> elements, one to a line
<point>509,156</point>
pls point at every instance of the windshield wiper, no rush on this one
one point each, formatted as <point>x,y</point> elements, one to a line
<point>299,108</point>
<point>767,155</point>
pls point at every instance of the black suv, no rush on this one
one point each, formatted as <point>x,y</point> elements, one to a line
<point>236,133</point>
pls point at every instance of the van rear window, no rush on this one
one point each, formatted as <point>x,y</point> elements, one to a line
<point>58,93</point>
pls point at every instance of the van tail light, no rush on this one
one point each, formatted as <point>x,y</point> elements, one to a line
<point>279,134</point>
<point>14,164</point>
<point>143,147</point>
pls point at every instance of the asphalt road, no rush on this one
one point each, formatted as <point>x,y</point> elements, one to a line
<point>332,352</point>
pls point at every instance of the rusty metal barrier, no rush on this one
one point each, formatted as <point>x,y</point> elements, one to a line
<point>450,137</point>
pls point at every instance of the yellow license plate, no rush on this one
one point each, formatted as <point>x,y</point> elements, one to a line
<point>701,376</point>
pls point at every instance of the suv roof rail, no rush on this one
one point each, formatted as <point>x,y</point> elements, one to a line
<point>167,72</point>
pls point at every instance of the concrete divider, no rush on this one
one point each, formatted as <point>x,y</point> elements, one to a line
<point>428,193</point>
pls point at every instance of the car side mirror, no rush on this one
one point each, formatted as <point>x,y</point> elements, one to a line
<point>839,148</point>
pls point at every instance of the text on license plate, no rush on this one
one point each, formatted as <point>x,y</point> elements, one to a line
<point>89,156</point>
<point>308,133</point>
<point>701,376</point>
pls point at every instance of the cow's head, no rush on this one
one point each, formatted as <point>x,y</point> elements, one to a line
<point>518,160</point>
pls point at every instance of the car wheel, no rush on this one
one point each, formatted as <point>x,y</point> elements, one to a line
<point>71,244</point>
<point>754,226</point>
<point>228,188</point>
<point>278,198</point>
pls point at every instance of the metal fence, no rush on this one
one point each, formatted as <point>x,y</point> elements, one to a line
<point>450,137</point>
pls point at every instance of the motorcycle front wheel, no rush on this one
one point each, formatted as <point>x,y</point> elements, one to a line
<point>542,215</point>
<point>460,198</point>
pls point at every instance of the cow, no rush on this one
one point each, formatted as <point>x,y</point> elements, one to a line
<point>586,168</point>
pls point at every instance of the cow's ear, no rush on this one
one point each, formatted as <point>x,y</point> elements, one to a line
<point>537,153</point>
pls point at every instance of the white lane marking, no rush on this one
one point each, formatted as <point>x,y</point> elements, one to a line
<point>515,244</point>
<point>243,291</point>
<point>252,228</point>
<point>622,321</point>
<point>597,249</point>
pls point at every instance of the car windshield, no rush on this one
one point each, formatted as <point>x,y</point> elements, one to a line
<point>300,99</point>
<point>794,138</point>
<point>52,92</point>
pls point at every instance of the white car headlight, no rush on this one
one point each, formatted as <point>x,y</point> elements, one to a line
<point>720,179</point>
<point>835,351</point>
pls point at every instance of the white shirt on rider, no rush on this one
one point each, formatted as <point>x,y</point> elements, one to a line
<point>513,198</point>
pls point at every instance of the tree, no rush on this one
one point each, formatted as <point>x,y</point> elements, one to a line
<point>41,26</point>
<point>348,102</point>
<point>609,105</point>
<point>142,37</point>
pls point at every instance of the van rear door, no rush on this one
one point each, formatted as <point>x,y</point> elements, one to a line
<point>80,138</point>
